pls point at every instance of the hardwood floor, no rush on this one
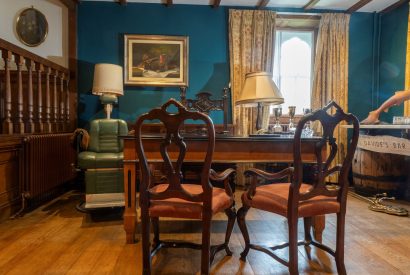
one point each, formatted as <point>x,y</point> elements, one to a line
<point>56,239</point>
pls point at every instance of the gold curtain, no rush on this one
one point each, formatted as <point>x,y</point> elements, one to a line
<point>407,81</point>
<point>251,43</point>
<point>331,68</point>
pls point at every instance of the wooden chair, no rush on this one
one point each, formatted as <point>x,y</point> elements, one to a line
<point>173,198</point>
<point>296,199</point>
<point>203,103</point>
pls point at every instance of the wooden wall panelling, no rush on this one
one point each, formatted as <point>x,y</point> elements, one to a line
<point>11,167</point>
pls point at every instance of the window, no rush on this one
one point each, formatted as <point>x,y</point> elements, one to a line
<point>293,67</point>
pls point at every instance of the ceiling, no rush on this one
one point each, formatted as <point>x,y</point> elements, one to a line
<point>339,5</point>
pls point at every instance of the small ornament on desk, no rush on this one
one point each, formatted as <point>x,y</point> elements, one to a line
<point>401,120</point>
<point>292,111</point>
<point>307,131</point>
<point>277,128</point>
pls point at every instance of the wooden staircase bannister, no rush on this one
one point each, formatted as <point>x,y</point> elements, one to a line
<point>38,103</point>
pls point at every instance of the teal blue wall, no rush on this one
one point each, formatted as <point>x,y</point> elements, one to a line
<point>101,32</point>
<point>102,27</point>
<point>361,63</point>
<point>393,42</point>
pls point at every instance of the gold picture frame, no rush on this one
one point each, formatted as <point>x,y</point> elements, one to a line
<point>31,27</point>
<point>155,60</point>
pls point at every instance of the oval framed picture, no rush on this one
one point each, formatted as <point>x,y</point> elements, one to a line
<point>31,27</point>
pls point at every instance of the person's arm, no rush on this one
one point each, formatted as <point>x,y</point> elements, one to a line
<point>398,98</point>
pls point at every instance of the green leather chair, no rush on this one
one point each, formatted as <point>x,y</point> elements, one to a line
<point>102,163</point>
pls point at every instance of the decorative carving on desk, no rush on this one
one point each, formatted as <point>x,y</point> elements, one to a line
<point>203,103</point>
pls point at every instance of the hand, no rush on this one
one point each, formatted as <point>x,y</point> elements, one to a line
<point>372,118</point>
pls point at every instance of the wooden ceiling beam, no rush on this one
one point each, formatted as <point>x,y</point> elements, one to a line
<point>216,4</point>
<point>394,6</point>
<point>358,5</point>
<point>310,4</point>
<point>262,4</point>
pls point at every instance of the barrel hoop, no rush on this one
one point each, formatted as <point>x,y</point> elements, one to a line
<point>380,178</point>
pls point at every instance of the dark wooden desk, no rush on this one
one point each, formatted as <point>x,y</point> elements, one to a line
<point>227,150</point>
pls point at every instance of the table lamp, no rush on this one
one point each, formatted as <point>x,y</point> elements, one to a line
<point>259,89</point>
<point>108,84</point>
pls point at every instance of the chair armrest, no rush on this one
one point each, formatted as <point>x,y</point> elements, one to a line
<point>255,173</point>
<point>220,176</point>
<point>223,176</point>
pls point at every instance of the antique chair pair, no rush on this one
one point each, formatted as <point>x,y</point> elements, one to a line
<point>172,197</point>
<point>296,199</point>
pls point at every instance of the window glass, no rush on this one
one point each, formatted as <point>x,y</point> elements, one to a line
<point>292,70</point>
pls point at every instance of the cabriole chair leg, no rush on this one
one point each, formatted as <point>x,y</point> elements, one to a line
<point>242,226</point>
<point>231,213</point>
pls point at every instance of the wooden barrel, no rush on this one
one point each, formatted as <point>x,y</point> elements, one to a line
<point>375,173</point>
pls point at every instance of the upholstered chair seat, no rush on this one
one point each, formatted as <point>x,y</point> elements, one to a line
<point>274,198</point>
<point>180,208</point>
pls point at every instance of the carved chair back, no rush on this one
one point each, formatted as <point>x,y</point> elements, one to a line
<point>329,122</point>
<point>172,143</point>
<point>203,103</point>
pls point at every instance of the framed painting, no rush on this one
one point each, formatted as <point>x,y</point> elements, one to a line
<point>155,60</point>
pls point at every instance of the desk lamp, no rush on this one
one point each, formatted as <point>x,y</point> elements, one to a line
<point>259,89</point>
<point>108,84</point>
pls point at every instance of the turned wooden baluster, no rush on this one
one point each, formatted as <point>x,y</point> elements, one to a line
<point>48,107</point>
<point>7,123</point>
<point>55,104</point>
<point>62,125</point>
<point>67,105</point>
<point>18,122</point>
<point>30,122</point>
<point>39,122</point>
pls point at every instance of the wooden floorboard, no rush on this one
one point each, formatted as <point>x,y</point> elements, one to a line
<point>56,239</point>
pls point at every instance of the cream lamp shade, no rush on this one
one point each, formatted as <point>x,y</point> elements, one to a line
<point>259,88</point>
<point>108,79</point>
